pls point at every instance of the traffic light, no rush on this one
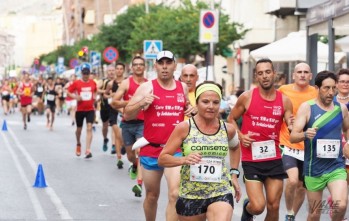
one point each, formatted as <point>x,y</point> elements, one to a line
<point>85,49</point>
<point>83,53</point>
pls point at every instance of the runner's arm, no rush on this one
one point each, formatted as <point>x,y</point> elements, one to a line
<point>234,158</point>
<point>108,92</point>
<point>99,87</point>
<point>71,92</point>
<point>141,100</point>
<point>238,110</point>
<point>166,158</point>
<point>288,116</point>
<point>117,101</point>
<point>345,130</point>
<point>297,134</point>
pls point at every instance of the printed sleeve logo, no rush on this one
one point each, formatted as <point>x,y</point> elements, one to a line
<point>277,110</point>
<point>180,98</point>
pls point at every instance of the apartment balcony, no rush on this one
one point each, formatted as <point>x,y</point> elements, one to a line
<point>280,8</point>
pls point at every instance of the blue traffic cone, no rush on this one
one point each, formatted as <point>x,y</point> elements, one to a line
<point>40,178</point>
<point>4,126</point>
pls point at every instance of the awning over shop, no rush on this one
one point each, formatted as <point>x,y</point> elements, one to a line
<point>293,48</point>
<point>343,43</point>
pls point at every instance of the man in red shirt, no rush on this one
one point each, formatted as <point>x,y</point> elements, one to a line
<point>263,110</point>
<point>26,91</point>
<point>164,102</point>
<point>132,130</point>
<point>84,91</point>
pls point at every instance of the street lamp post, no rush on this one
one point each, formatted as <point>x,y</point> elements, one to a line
<point>147,6</point>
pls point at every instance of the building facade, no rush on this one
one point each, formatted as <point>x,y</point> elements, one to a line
<point>82,18</point>
<point>7,42</point>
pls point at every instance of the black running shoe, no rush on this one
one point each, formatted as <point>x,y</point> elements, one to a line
<point>137,189</point>
<point>120,164</point>
<point>105,144</point>
<point>89,155</point>
<point>123,150</point>
<point>245,216</point>
<point>113,151</point>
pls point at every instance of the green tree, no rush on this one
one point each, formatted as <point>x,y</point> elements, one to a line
<point>178,28</point>
<point>119,33</point>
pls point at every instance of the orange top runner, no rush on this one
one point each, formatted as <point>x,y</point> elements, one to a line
<point>297,98</point>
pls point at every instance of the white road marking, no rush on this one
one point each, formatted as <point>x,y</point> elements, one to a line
<point>12,122</point>
<point>32,195</point>
<point>63,212</point>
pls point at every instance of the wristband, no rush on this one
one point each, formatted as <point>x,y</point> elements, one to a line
<point>235,171</point>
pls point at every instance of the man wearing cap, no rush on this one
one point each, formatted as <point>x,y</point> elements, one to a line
<point>84,91</point>
<point>164,102</point>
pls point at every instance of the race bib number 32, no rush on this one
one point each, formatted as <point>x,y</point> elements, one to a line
<point>263,150</point>
<point>207,170</point>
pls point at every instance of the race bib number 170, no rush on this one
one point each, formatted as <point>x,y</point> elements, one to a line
<point>207,170</point>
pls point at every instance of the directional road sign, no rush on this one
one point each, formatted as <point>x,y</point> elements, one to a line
<point>209,20</point>
<point>151,48</point>
<point>95,58</point>
<point>60,65</point>
<point>110,54</point>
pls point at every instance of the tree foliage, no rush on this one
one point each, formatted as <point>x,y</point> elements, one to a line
<point>119,33</point>
<point>178,28</point>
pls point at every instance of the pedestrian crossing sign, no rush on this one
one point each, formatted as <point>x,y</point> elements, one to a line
<point>151,48</point>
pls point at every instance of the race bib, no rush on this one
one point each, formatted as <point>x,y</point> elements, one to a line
<point>295,153</point>
<point>5,93</point>
<point>326,148</point>
<point>40,89</point>
<point>86,95</point>
<point>50,97</point>
<point>263,150</point>
<point>207,170</point>
<point>27,91</point>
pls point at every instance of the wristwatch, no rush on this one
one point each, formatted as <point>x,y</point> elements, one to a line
<point>235,171</point>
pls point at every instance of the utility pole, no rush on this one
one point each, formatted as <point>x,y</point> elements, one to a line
<point>78,19</point>
<point>65,19</point>
<point>110,7</point>
<point>98,14</point>
<point>146,6</point>
<point>211,53</point>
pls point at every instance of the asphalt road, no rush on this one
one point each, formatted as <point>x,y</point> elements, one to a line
<point>77,188</point>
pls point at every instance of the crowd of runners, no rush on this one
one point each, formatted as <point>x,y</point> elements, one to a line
<point>178,125</point>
